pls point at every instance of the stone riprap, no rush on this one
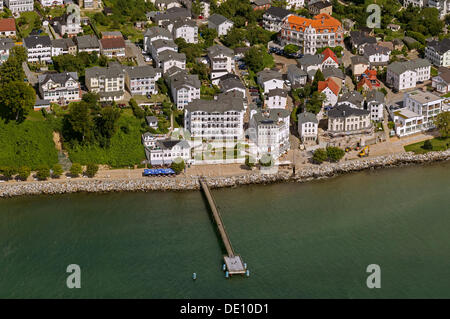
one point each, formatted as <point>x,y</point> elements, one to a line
<point>179,183</point>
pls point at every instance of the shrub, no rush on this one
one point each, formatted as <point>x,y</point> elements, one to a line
<point>91,170</point>
<point>334,154</point>
<point>320,155</point>
<point>75,170</point>
<point>249,161</point>
<point>178,165</point>
<point>7,172</point>
<point>428,145</point>
<point>43,172</point>
<point>23,173</point>
<point>266,160</point>
<point>56,171</point>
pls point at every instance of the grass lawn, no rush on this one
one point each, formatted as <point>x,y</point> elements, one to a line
<point>126,148</point>
<point>446,95</point>
<point>27,144</point>
<point>439,144</point>
<point>30,18</point>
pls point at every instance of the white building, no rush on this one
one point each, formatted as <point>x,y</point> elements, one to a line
<point>169,59</point>
<point>273,18</point>
<point>19,5</point>
<point>295,4</point>
<point>221,24</point>
<point>441,82</point>
<point>67,24</point>
<point>438,52</point>
<point>166,151</point>
<point>186,29</point>
<point>221,60</point>
<point>276,99</point>
<point>141,80</point>
<point>425,104</point>
<point>331,91</point>
<point>51,3</point>
<point>158,46</point>
<point>269,80</point>
<point>377,55</point>
<point>271,131</point>
<point>185,88</point>
<point>308,127</point>
<point>311,34</point>
<point>39,49</point>
<point>61,88</point>
<point>153,34</point>
<point>296,75</point>
<point>220,119</point>
<point>375,105</point>
<point>108,82</point>
<point>405,75</point>
<point>345,120</point>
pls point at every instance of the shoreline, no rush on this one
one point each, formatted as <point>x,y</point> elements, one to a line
<point>145,184</point>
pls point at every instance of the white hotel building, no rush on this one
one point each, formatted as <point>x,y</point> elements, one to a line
<point>405,75</point>
<point>20,5</point>
<point>221,119</point>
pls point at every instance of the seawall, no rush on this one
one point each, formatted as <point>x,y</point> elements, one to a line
<point>188,183</point>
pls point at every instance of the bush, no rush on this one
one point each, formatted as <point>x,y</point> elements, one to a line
<point>56,171</point>
<point>334,154</point>
<point>427,145</point>
<point>75,170</point>
<point>7,172</point>
<point>320,155</point>
<point>178,165</point>
<point>91,170</point>
<point>23,173</point>
<point>43,172</point>
<point>249,161</point>
<point>266,160</point>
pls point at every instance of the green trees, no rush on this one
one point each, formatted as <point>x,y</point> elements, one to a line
<point>257,59</point>
<point>78,124</point>
<point>266,160</point>
<point>11,71</point>
<point>91,170</point>
<point>75,169</point>
<point>334,154</point>
<point>428,145</point>
<point>249,161</point>
<point>7,172</point>
<point>442,123</point>
<point>208,35</point>
<point>56,170</point>
<point>23,173</point>
<point>43,172</point>
<point>16,100</point>
<point>317,78</point>
<point>320,155</point>
<point>178,165</point>
<point>331,153</point>
<point>291,48</point>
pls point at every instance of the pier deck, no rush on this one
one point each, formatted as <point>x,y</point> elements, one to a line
<point>233,262</point>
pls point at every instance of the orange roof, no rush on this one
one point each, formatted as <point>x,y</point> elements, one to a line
<point>7,24</point>
<point>371,74</point>
<point>322,85</point>
<point>327,53</point>
<point>362,82</point>
<point>320,22</point>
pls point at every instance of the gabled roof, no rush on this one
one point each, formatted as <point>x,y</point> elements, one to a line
<point>328,53</point>
<point>157,31</point>
<point>344,110</point>
<point>113,43</point>
<point>322,85</point>
<point>267,75</point>
<point>296,71</point>
<point>357,59</point>
<point>218,49</point>
<point>60,78</point>
<point>361,37</point>
<point>306,117</point>
<point>372,49</point>
<point>440,46</point>
<point>8,24</point>
<point>412,65</point>
<point>223,104</point>
<point>33,41</point>
<point>278,12</point>
<point>277,92</point>
<point>320,22</point>
<point>333,72</point>
<point>352,97</point>
<point>142,71</point>
<point>218,19</point>
<point>87,42</point>
<point>375,95</point>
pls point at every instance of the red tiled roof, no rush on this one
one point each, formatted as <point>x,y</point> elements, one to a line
<point>322,85</point>
<point>112,43</point>
<point>320,22</point>
<point>362,82</point>
<point>8,24</point>
<point>328,53</point>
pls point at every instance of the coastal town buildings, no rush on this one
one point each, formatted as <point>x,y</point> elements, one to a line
<point>17,6</point>
<point>60,88</point>
<point>311,34</point>
<point>308,127</point>
<point>108,82</point>
<point>39,49</point>
<point>221,24</point>
<point>438,52</point>
<point>141,80</point>
<point>346,120</point>
<point>406,75</point>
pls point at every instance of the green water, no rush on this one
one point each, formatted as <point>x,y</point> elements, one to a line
<point>310,240</point>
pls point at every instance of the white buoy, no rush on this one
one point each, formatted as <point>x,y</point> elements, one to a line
<point>227,274</point>
<point>245,265</point>
<point>247,273</point>
<point>224,267</point>
<point>194,276</point>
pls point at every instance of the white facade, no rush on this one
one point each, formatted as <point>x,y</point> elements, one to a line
<point>166,151</point>
<point>108,82</point>
<point>276,99</point>
<point>186,31</point>
<point>294,4</point>
<point>425,104</point>
<point>438,53</point>
<point>38,52</point>
<point>376,110</point>
<point>19,5</point>
<point>50,3</point>
<point>61,88</point>
<point>222,26</point>
<point>406,122</point>
<point>405,75</point>
<point>331,98</point>
<point>308,127</point>
<point>271,131</point>
<point>141,80</point>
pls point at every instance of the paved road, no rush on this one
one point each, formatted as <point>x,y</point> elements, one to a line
<point>32,78</point>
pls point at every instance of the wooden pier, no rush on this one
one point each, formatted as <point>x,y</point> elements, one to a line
<point>233,262</point>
